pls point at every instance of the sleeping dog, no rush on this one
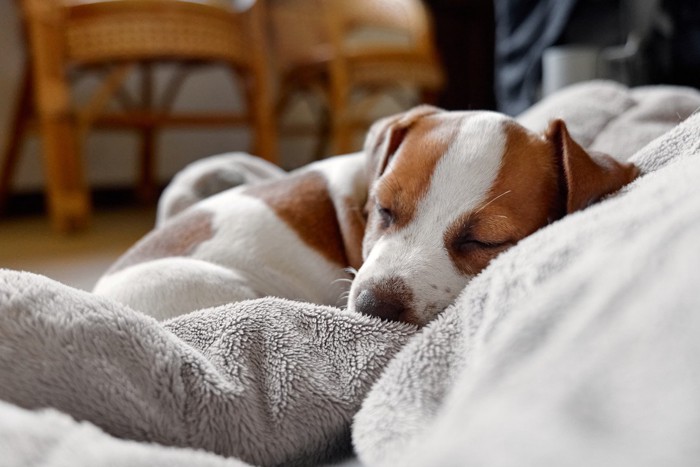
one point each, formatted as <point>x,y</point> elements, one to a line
<point>431,200</point>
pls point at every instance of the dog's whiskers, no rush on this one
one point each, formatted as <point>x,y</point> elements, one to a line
<point>343,299</point>
<point>342,279</point>
<point>494,199</point>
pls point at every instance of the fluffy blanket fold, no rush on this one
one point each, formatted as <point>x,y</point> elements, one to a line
<point>576,347</point>
<point>268,381</point>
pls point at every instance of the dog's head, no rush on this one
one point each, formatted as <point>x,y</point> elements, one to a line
<point>450,191</point>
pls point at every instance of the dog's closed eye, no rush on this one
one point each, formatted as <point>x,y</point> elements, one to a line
<point>467,243</point>
<point>386,216</point>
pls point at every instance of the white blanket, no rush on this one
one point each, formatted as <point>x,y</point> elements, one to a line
<point>576,347</point>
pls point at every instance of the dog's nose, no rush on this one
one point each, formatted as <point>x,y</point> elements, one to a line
<point>369,302</point>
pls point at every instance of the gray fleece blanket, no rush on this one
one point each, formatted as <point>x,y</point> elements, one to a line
<point>576,347</point>
<point>268,381</point>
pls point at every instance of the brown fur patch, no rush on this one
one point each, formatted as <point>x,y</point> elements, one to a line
<point>352,227</point>
<point>585,177</point>
<point>304,203</point>
<point>408,181</point>
<point>178,237</point>
<point>523,198</point>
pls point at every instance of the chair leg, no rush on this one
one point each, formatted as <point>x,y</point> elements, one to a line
<point>262,114</point>
<point>429,96</point>
<point>324,133</point>
<point>67,193</point>
<point>341,126</point>
<point>260,102</point>
<point>147,190</point>
<point>341,133</point>
<point>17,132</point>
<point>66,189</point>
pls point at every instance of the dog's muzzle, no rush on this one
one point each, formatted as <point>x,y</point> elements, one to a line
<point>388,299</point>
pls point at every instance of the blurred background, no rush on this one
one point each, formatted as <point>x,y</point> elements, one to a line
<point>104,101</point>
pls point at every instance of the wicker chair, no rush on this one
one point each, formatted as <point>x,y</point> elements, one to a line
<point>318,54</point>
<point>116,37</point>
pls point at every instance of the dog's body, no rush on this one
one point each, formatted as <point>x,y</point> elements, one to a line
<point>288,237</point>
<point>442,193</point>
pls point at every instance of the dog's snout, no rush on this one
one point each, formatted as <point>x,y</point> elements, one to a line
<point>369,302</point>
<point>387,299</point>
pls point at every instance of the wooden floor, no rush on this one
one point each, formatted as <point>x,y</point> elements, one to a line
<point>27,243</point>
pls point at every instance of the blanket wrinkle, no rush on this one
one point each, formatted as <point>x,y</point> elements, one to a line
<point>419,382</point>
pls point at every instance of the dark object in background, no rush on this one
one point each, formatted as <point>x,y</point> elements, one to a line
<point>464,35</point>
<point>638,41</point>
<point>524,29</point>
<point>685,42</point>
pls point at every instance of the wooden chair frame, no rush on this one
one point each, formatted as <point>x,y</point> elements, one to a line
<point>336,68</point>
<point>57,34</point>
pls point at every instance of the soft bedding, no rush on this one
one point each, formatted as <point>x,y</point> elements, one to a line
<point>268,381</point>
<point>576,347</point>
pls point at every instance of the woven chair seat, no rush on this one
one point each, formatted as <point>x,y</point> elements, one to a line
<point>133,30</point>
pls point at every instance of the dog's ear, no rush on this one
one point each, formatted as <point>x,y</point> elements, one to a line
<point>385,137</point>
<point>585,177</point>
<point>352,223</point>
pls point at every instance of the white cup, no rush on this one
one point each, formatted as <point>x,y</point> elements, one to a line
<point>565,65</point>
